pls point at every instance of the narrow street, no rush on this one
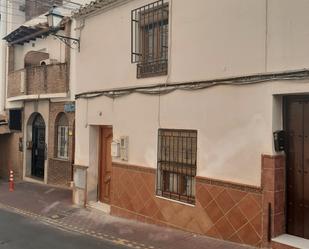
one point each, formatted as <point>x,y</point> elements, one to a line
<point>41,216</point>
<point>154,124</point>
<point>23,232</point>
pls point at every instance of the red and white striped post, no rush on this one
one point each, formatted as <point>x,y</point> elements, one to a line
<point>11,183</point>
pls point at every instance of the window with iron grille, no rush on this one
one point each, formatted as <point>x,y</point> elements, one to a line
<point>62,136</point>
<point>176,172</point>
<point>149,39</point>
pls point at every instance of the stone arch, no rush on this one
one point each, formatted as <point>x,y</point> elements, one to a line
<point>35,145</point>
<point>34,58</point>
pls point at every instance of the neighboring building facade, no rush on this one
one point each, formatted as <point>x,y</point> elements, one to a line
<point>38,89</point>
<point>12,15</point>
<point>186,96</point>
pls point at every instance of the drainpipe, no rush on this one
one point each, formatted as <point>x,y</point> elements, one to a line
<point>3,56</point>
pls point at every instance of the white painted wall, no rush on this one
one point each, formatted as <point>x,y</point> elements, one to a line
<point>208,39</point>
<point>50,45</point>
<point>11,17</point>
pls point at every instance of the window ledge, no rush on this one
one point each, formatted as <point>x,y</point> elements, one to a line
<point>179,202</point>
<point>60,159</point>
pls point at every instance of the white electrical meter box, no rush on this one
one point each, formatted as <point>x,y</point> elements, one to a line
<point>115,149</point>
<point>124,146</point>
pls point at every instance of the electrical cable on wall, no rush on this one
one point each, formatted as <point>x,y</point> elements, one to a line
<point>162,89</point>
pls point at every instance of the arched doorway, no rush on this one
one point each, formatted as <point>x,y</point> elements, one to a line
<point>38,147</point>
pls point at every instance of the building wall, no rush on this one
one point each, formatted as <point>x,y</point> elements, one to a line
<point>11,157</point>
<point>229,48</point>
<point>213,53</point>
<point>208,39</point>
<point>50,79</point>
<point>34,8</point>
<point>59,170</point>
<point>8,23</point>
<point>14,87</point>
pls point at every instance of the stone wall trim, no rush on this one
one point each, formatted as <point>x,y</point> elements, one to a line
<point>134,167</point>
<point>227,184</point>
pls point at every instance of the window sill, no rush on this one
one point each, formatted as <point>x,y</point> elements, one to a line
<point>60,159</point>
<point>172,200</point>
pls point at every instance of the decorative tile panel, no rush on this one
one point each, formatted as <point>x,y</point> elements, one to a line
<point>223,210</point>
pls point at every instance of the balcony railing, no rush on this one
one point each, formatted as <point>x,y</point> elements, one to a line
<point>47,79</point>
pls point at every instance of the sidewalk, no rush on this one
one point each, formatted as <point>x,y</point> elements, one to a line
<point>53,206</point>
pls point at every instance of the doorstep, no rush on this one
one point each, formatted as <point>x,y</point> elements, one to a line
<point>290,242</point>
<point>99,206</point>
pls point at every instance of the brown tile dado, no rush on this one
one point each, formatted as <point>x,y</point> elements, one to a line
<point>223,210</point>
<point>273,183</point>
<point>230,185</point>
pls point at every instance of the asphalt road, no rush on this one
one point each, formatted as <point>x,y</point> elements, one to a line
<point>18,232</point>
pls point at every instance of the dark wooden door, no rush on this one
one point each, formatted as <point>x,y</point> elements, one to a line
<point>38,147</point>
<point>297,125</point>
<point>105,170</point>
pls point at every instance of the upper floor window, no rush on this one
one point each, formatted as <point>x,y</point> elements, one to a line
<point>149,41</point>
<point>177,151</point>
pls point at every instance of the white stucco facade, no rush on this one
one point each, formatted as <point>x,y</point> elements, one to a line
<point>208,39</point>
<point>11,18</point>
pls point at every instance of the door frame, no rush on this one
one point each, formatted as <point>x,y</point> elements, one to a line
<point>285,101</point>
<point>100,161</point>
<point>37,115</point>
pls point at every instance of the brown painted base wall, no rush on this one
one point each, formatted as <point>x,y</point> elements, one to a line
<point>59,172</point>
<point>10,156</point>
<point>223,210</point>
<point>274,189</point>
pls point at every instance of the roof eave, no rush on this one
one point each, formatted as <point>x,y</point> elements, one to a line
<point>96,7</point>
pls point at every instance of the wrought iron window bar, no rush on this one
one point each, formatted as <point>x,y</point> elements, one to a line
<point>177,152</point>
<point>149,39</point>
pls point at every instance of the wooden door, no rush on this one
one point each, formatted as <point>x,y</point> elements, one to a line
<point>105,169</point>
<point>297,125</point>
